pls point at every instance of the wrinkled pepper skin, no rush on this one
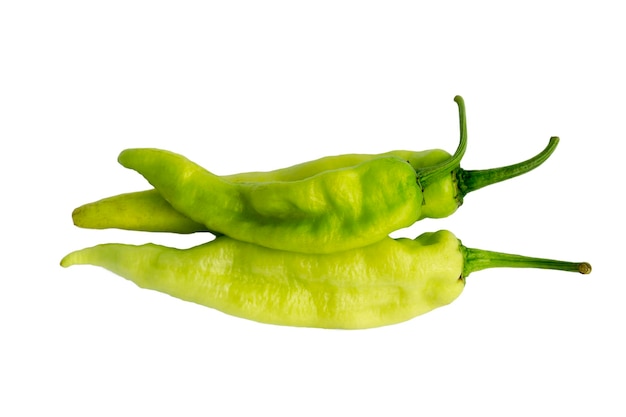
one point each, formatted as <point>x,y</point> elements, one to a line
<point>149,211</point>
<point>385,283</point>
<point>442,183</point>
<point>334,210</point>
<point>329,212</point>
<point>441,197</point>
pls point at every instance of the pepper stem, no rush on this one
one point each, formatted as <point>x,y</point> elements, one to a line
<point>428,175</point>
<point>469,181</point>
<point>478,259</point>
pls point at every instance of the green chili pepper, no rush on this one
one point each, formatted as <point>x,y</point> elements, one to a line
<point>144,211</point>
<point>329,212</point>
<point>335,210</point>
<point>388,282</point>
<point>149,211</point>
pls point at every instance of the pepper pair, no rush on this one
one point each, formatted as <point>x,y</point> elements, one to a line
<point>306,245</point>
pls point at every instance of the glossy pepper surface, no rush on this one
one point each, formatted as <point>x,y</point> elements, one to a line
<point>335,210</point>
<point>388,282</point>
<point>149,211</point>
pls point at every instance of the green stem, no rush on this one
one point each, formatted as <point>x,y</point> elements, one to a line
<point>431,174</point>
<point>478,259</point>
<point>469,181</point>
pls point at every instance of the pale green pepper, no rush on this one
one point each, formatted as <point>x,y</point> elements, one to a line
<point>390,281</point>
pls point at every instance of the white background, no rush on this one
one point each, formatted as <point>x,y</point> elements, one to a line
<point>240,86</point>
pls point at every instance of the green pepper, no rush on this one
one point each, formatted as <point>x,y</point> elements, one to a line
<point>388,282</point>
<point>337,209</point>
<point>149,211</point>
<point>329,212</point>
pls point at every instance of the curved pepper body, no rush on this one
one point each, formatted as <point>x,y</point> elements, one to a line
<point>149,211</point>
<point>332,211</point>
<point>141,210</point>
<point>442,184</point>
<point>385,283</point>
